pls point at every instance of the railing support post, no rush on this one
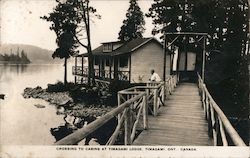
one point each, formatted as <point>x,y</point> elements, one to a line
<point>163,92</point>
<point>145,112</point>
<point>127,128</point>
<point>155,102</point>
<point>119,103</point>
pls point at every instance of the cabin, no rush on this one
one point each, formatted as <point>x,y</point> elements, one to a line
<point>129,61</point>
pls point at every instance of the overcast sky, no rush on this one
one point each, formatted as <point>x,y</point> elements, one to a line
<point>20,22</point>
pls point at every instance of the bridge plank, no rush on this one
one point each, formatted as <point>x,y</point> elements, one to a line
<point>180,122</point>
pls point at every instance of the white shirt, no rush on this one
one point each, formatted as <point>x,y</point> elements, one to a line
<point>155,77</point>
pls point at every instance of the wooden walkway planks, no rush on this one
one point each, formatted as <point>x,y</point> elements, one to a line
<point>180,122</point>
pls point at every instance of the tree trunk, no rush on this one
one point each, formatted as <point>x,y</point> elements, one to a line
<point>91,69</point>
<point>65,71</point>
<point>90,55</point>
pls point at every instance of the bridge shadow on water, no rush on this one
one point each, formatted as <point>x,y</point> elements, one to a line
<point>100,136</point>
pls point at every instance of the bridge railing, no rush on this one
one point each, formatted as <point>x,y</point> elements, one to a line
<point>132,112</point>
<point>157,92</point>
<point>123,109</point>
<point>219,126</point>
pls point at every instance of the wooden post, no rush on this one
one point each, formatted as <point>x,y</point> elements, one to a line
<point>163,93</point>
<point>99,66</point>
<point>205,106</point>
<point>116,68</point>
<point>82,70</point>
<point>119,103</point>
<point>217,130</point>
<point>223,135</point>
<point>82,65</point>
<point>110,68</point>
<point>75,68</point>
<point>155,102</point>
<point>213,124</point>
<point>167,89</point>
<point>209,121</point>
<point>145,112</point>
<point>164,59</point>
<point>203,58</point>
<point>186,56</point>
<point>127,128</point>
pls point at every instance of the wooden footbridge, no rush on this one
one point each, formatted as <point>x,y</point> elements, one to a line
<point>181,122</point>
<point>165,113</point>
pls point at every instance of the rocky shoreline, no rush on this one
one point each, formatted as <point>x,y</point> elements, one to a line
<point>76,115</point>
<point>65,104</point>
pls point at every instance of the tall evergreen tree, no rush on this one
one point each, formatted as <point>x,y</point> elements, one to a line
<point>64,22</point>
<point>173,15</point>
<point>69,19</point>
<point>133,25</point>
<point>227,23</point>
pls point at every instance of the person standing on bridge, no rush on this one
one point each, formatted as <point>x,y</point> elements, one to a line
<point>154,76</point>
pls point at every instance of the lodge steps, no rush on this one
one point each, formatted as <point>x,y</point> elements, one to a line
<point>180,122</point>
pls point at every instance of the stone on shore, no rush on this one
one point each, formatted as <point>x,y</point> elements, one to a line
<point>39,106</point>
<point>65,103</point>
<point>60,98</point>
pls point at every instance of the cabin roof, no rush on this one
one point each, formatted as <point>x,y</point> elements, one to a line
<point>126,47</point>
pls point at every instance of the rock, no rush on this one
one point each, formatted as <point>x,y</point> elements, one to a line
<point>63,102</point>
<point>39,106</point>
<point>2,96</point>
<point>95,89</point>
<point>82,88</point>
<point>93,141</point>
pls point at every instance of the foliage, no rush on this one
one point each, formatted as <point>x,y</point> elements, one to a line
<point>64,23</point>
<point>88,94</point>
<point>226,22</point>
<point>173,15</point>
<point>70,18</point>
<point>16,57</point>
<point>133,25</point>
<point>60,87</point>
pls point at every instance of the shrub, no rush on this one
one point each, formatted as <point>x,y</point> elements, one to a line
<point>57,87</point>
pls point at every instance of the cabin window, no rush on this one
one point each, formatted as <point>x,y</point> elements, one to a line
<point>107,47</point>
<point>97,61</point>
<point>124,61</point>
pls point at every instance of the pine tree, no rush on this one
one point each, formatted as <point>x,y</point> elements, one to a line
<point>133,25</point>
<point>64,22</point>
<point>173,16</point>
<point>227,23</point>
<point>69,19</point>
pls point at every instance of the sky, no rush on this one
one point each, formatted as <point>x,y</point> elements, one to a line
<point>20,22</point>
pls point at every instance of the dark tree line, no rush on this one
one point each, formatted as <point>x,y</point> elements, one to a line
<point>15,57</point>
<point>227,23</point>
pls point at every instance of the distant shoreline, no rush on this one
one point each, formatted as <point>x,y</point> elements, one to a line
<point>30,63</point>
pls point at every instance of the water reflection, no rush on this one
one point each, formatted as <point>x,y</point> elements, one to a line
<point>14,68</point>
<point>19,115</point>
<point>72,123</point>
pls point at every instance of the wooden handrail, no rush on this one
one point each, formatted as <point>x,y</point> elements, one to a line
<point>155,89</point>
<point>219,123</point>
<point>82,133</point>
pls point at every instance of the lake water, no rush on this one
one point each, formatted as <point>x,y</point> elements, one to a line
<point>22,123</point>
